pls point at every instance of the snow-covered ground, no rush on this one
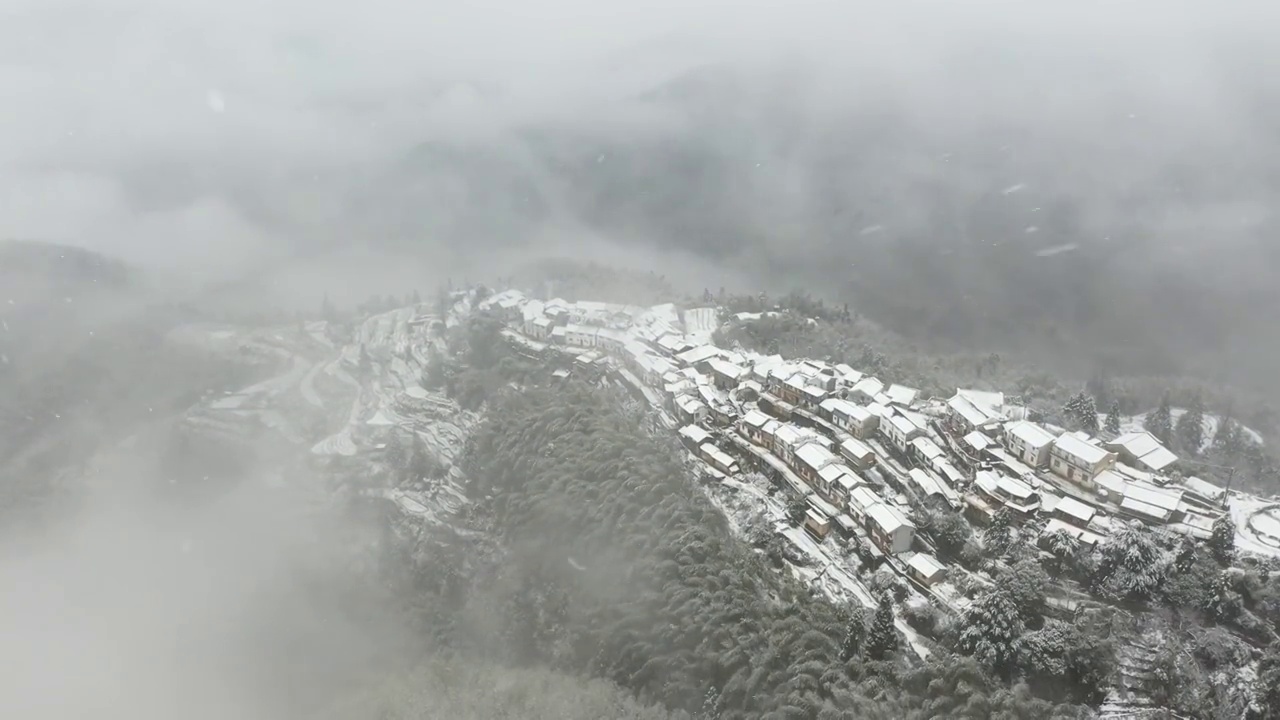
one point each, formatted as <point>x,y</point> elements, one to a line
<point>1134,423</point>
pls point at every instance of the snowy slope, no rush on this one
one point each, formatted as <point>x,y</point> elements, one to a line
<point>1133,423</point>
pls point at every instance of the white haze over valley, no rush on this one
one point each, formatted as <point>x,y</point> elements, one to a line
<point>266,156</point>
<point>214,139</point>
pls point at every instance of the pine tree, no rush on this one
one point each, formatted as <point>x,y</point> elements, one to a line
<point>1160,422</point>
<point>854,634</point>
<point>1190,429</point>
<point>1226,439</point>
<point>1113,418</point>
<point>882,639</point>
<point>1083,411</point>
<point>1089,415</point>
<point>998,536</point>
<point>992,627</point>
<point>1130,565</point>
<point>1222,543</point>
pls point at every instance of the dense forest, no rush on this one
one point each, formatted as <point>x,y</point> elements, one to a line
<point>609,562</point>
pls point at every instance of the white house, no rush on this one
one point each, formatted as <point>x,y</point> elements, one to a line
<point>1078,459</point>
<point>853,419</point>
<point>1143,451</point>
<point>969,412</point>
<point>582,336</point>
<point>901,395</point>
<point>900,430</point>
<point>857,453</point>
<point>1028,442</point>
<point>890,529</point>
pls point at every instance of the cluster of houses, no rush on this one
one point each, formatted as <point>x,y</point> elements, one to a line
<point>860,448</point>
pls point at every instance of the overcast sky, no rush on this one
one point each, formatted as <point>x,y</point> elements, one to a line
<point>152,128</point>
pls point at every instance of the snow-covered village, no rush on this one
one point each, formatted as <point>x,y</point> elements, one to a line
<point>846,469</point>
<point>916,506</point>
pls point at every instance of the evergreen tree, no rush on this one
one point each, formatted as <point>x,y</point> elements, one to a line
<point>1226,439</point>
<point>1190,429</point>
<point>1159,422</point>
<point>992,627</point>
<point>998,536</point>
<point>1130,566</point>
<point>1063,549</point>
<point>1222,543</point>
<point>1083,411</point>
<point>1089,415</point>
<point>854,635</point>
<point>1113,418</point>
<point>882,639</point>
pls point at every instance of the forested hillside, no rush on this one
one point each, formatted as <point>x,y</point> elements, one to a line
<point>610,562</point>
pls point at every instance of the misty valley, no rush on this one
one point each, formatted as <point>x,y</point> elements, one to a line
<point>530,502</point>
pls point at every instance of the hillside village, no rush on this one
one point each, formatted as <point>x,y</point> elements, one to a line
<point>845,466</point>
<point>864,452</point>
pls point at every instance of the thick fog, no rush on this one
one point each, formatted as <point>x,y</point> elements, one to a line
<point>279,152</point>
<point>225,140</point>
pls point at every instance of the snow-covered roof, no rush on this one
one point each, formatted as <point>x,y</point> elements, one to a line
<point>926,565</point>
<point>690,405</point>
<point>1084,536</point>
<point>815,455</point>
<point>950,472</point>
<point>1030,433</point>
<point>977,440</point>
<point>987,480</point>
<point>791,435</point>
<point>573,329</point>
<point>984,398</point>
<point>927,485</point>
<point>1146,448</point>
<point>973,413</point>
<point>848,481</point>
<point>927,448</point>
<point>813,392</point>
<point>755,418</point>
<point>1138,507</point>
<point>904,424</point>
<point>832,473</point>
<point>1204,488</point>
<point>812,515</point>
<point>1014,488</point>
<point>1164,498</point>
<point>673,342</point>
<point>725,368</point>
<point>698,354</point>
<point>532,310</point>
<point>901,394</point>
<point>888,518</point>
<point>863,497</point>
<point>851,410</point>
<point>1086,451</point>
<point>855,448</point>
<point>695,433</point>
<point>869,386</point>
<point>1076,509</point>
<point>1112,482</point>
<point>721,457</point>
